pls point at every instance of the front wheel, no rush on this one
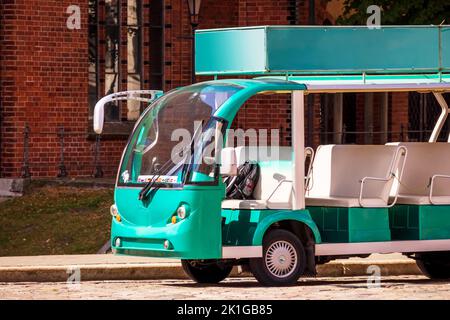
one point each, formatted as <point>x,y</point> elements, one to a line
<point>206,272</point>
<point>283,261</point>
<point>435,265</point>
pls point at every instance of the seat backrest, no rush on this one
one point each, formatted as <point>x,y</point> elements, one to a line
<point>339,169</point>
<point>424,160</point>
<point>275,165</point>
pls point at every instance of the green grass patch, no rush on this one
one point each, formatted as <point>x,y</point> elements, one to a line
<point>55,220</point>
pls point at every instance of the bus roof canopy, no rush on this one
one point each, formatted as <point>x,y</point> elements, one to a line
<point>371,83</point>
<point>337,50</point>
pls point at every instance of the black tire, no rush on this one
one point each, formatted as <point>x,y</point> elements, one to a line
<point>264,269</point>
<point>206,272</point>
<point>435,265</point>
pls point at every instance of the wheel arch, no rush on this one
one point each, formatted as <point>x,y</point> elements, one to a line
<point>289,220</point>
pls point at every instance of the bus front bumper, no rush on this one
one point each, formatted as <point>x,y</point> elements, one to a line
<point>167,241</point>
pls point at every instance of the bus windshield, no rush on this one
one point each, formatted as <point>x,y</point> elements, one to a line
<point>164,144</point>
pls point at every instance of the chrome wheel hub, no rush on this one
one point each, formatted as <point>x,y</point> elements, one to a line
<point>281,259</point>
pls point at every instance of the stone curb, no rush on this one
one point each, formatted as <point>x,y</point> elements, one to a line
<point>171,270</point>
<point>387,268</point>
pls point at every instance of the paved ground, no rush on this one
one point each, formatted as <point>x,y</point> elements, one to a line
<point>107,267</point>
<point>400,287</point>
<point>110,259</point>
<point>77,259</point>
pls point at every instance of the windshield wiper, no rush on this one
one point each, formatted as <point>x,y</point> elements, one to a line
<point>145,190</point>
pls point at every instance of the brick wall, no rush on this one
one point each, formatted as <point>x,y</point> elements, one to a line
<point>398,115</point>
<point>273,111</point>
<point>255,113</point>
<point>178,36</point>
<point>44,85</point>
<point>44,79</point>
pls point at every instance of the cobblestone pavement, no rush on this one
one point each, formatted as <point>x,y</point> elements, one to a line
<point>404,287</point>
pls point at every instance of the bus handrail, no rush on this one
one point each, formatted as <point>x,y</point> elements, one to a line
<point>309,152</point>
<point>362,187</point>
<point>391,176</point>
<point>276,188</point>
<point>433,178</point>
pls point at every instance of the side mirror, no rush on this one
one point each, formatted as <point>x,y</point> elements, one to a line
<point>137,95</point>
<point>99,114</point>
<point>228,162</point>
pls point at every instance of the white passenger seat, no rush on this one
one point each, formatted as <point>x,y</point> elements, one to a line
<point>353,175</point>
<point>426,175</point>
<point>274,188</point>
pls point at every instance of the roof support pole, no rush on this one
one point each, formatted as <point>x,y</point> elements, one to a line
<point>384,112</point>
<point>298,148</point>
<point>338,112</point>
<point>368,117</point>
<point>310,116</point>
<point>442,118</point>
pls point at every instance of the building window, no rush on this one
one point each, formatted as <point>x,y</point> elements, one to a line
<point>110,28</point>
<point>93,56</point>
<point>118,59</point>
<point>156,47</point>
<point>134,54</point>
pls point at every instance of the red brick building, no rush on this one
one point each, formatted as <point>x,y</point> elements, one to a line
<point>53,70</point>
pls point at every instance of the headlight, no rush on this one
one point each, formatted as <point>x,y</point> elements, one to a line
<point>182,211</point>
<point>113,210</point>
<point>115,213</point>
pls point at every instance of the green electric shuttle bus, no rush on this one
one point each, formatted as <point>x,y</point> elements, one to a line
<point>350,200</point>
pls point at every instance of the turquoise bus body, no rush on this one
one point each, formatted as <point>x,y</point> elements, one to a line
<point>389,55</point>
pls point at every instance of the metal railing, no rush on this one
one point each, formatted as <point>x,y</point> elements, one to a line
<point>59,138</point>
<point>376,137</point>
<point>99,167</point>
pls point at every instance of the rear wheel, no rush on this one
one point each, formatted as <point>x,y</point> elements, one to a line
<point>283,260</point>
<point>435,265</point>
<point>206,272</point>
